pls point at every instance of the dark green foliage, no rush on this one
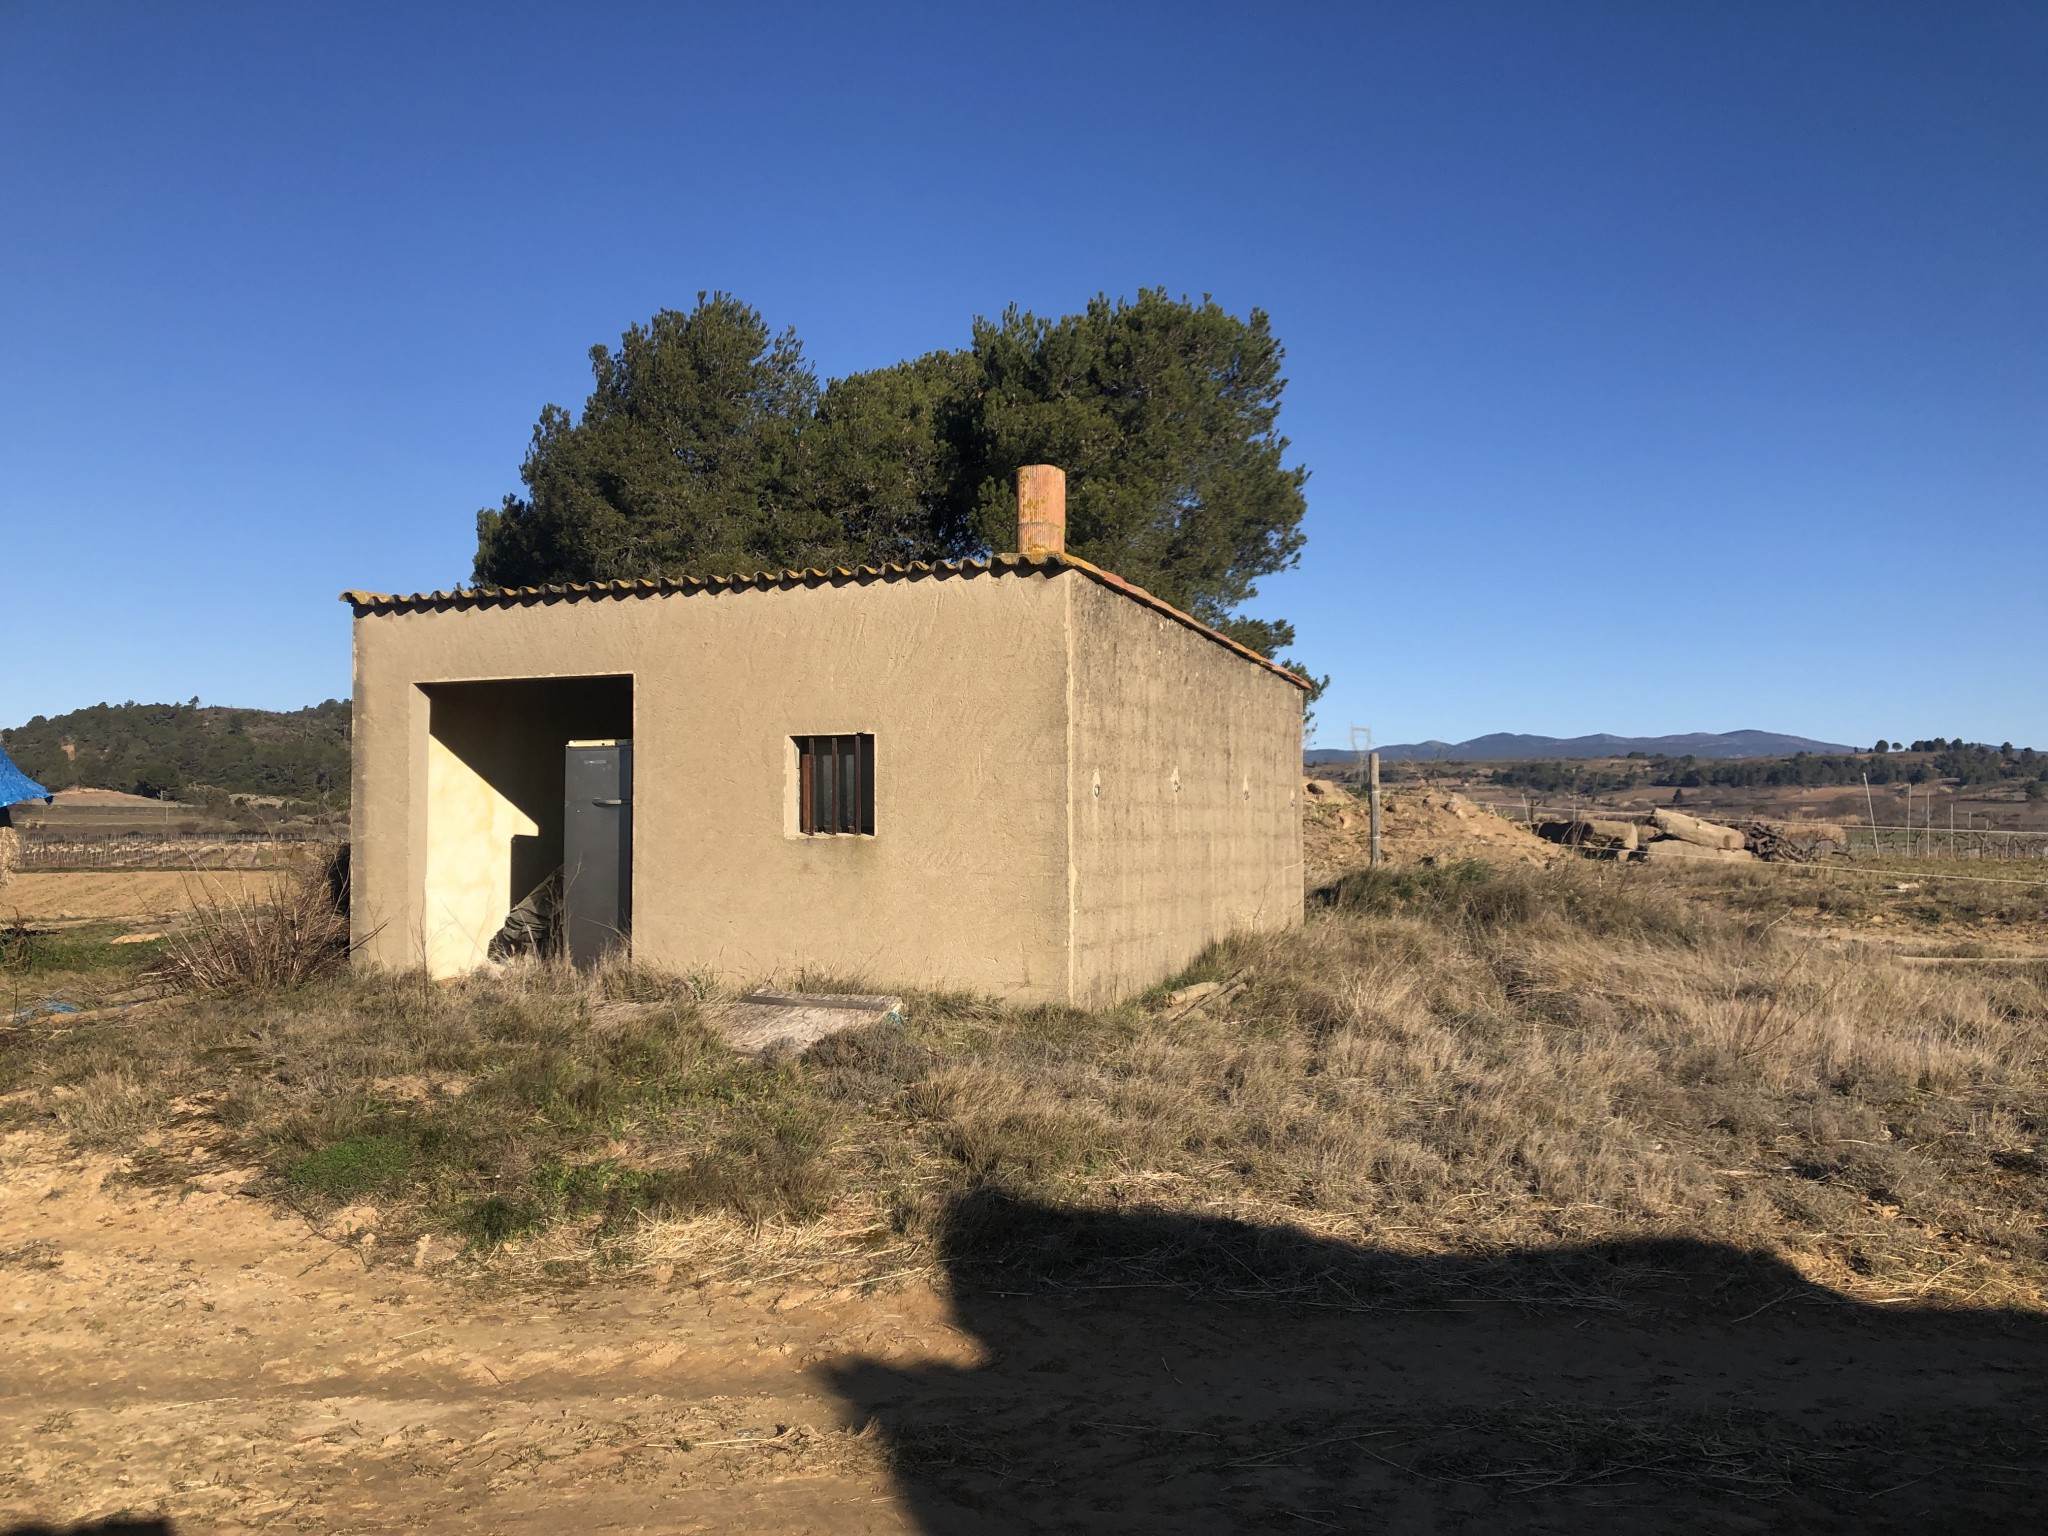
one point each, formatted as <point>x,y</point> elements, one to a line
<point>684,463</point>
<point>26,950</point>
<point>1430,888</point>
<point>707,448</point>
<point>1957,762</point>
<point>1163,414</point>
<point>882,457</point>
<point>1569,777</point>
<point>150,749</point>
<point>497,1220</point>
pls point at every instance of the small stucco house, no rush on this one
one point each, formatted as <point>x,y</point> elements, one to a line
<point>1019,776</point>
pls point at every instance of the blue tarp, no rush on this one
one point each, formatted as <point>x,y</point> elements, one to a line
<point>16,786</point>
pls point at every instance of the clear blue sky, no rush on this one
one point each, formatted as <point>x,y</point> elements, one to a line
<point>1660,367</point>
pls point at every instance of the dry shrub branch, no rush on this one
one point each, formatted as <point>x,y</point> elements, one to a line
<point>251,941</point>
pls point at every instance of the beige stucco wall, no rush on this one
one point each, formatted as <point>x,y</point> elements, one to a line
<point>471,826</point>
<point>1186,777</point>
<point>961,679</point>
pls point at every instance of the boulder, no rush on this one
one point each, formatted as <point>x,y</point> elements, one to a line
<point>1590,832</point>
<point>763,1022</point>
<point>1672,850</point>
<point>1443,800</point>
<point>1690,829</point>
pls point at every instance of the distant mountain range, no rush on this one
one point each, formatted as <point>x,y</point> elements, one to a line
<point>1504,746</point>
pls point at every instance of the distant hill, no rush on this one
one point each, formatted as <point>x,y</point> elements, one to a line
<point>155,749</point>
<point>1506,747</point>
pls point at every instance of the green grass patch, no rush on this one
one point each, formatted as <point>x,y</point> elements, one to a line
<point>352,1168</point>
<point>47,953</point>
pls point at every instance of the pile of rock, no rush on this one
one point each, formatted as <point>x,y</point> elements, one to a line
<point>1592,836</point>
<point>1680,836</point>
<point>1672,836</point>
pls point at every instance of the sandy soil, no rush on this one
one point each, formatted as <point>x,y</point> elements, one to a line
<point>196,1357</point>
<point>190,1355</point>
<point>1417,826</point>
<point>127,894</point>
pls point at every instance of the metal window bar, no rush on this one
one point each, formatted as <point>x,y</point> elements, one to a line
<point>835,784</point>
<point>866,797</point>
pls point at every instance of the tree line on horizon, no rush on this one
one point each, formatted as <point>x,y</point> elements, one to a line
<point>1964,764</point>
<point>709,446</point>
<point>178,750</point>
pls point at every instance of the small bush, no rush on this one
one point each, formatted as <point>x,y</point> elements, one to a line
<point>773,1165</point>
<point>242,943</point>
<point>497,1220</point>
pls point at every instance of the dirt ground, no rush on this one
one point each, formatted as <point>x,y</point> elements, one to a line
<point>180,1352</point>
<point>189,1356</point>
<point>1417,826</point>
<point>194,1357</point>
<point>133,895</point>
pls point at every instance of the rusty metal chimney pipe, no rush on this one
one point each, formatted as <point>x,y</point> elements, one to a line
<point>1041,510</point>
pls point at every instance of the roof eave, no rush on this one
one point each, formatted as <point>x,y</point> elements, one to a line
<point>367,604</point>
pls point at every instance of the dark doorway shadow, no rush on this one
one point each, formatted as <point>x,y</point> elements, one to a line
<point>1169,1373</point>
<point>513,734</point>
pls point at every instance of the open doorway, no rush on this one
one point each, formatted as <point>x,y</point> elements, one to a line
<point>495,766</point>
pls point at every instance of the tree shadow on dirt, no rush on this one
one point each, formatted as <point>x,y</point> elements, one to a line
<point>1163,1372</point>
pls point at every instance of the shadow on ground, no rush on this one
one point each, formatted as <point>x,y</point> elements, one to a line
<point>1165,1373</point>
<point>120,1525</point>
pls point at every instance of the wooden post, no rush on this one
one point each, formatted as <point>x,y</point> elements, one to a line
<point>1372,802</point>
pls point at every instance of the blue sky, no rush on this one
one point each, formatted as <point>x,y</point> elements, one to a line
<point>1659,367</point>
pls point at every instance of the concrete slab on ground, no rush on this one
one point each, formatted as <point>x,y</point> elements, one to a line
<point>765,1021</point>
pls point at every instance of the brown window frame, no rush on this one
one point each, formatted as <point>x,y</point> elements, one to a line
<point>835,785</point>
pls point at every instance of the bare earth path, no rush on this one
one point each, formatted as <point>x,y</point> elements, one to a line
<point>201,1359</point>
<point>204,1359</point>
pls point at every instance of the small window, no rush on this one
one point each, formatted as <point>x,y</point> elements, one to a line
<point>835,784</point>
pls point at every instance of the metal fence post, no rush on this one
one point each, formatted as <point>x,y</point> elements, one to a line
<point>1372,802</point>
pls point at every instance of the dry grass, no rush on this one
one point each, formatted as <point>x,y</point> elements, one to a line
<point>1934,896</point>
<point>1456,1062</point>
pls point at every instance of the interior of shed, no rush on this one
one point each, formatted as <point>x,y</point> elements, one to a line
<point>495,754</point>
